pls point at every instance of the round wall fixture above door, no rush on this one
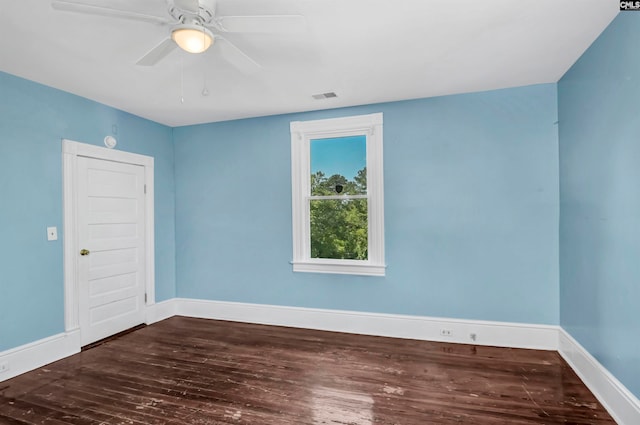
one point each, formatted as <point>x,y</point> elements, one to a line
<point>110,142</point>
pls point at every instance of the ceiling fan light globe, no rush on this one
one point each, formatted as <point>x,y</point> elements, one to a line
<point>192,39</point>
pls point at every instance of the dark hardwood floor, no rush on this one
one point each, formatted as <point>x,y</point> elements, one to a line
<point>194,371</point>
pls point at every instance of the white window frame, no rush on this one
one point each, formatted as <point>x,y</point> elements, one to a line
<point>302,132</point>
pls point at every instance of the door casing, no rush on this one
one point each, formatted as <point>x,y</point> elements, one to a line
<point>71,150</point>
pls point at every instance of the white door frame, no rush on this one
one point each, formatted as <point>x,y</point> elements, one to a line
<point>70,152</point>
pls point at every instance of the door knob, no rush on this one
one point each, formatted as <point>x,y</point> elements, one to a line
<point>85,252</point>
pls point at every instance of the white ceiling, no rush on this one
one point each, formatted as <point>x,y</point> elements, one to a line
<point>366,51</point>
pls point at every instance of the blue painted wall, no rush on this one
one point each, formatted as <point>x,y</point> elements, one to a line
<point>33,120</point>
<point>599,111</point>
<point>471,204</point>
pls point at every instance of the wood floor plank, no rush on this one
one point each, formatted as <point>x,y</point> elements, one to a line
<point>196,371</point>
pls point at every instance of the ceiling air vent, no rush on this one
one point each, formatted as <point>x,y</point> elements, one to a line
<point>321,96</point>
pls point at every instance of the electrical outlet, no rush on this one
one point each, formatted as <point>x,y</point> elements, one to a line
<point>52,233</point>
<point>4,367</point>
<point>446,332</point>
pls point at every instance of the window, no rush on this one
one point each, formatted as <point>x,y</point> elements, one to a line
<point>337,189</point>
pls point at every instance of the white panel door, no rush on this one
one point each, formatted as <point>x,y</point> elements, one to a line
<point>111,241</point>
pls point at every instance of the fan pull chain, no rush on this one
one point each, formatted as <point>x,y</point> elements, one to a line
<point>182,81</point>
<point>205,90</point>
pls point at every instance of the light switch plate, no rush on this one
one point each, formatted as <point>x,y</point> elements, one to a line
<point>52,233</point>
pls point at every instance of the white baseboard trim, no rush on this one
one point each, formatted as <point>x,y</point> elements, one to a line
<point>500,334</point>
<point>160,311</point>
<point>39,353</point>
<point>623,406</point>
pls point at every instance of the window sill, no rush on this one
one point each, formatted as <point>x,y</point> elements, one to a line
<point>340,267</point>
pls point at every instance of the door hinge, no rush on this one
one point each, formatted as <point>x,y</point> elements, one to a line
<point>145,189</point>
<point>145,297</point>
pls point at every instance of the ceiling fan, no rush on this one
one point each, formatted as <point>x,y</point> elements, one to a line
<point>194,27</point>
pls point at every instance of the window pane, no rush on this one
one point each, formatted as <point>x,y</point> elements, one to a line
<point>339,166</point>
<point>339,229</point>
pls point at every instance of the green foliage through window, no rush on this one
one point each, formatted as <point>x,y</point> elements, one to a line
<point>339,227</point>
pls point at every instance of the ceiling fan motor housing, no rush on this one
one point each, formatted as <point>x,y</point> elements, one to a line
<point>206,12</point>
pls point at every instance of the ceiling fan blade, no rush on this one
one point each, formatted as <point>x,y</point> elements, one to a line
<point>191,6</point>
<point>157,53</point>
<point>278,24</point>
<point>237,57</point>
<point>72,6</point>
